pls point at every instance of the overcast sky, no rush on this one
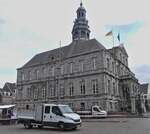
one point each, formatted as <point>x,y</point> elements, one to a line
<point>28,27</point>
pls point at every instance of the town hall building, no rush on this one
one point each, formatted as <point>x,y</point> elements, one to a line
<point>81,74</point>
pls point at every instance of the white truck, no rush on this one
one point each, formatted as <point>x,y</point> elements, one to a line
<point>60,116</point>
<point>94,112</point>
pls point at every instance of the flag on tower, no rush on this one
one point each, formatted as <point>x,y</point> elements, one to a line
<point>118,37</point>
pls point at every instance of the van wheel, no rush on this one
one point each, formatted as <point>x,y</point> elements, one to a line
<point>61,125</point>
<point>28,126</point>
<point>40,126</point>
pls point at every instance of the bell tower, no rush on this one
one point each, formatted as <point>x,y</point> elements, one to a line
<point>80,29</point>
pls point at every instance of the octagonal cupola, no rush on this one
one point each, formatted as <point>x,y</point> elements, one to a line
<point>80,29</point>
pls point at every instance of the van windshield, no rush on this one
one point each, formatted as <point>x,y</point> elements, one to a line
<point>96,109</point>
<point>66,109</point>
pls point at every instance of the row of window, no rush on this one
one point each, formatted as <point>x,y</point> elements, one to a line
<point>6,94</point>
<point>59,90</point>
<point>95,89</point>
<point>52,71</point>
<point>42,93</point>
<point>37,73</point>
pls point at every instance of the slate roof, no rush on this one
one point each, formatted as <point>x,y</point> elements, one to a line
<point>9,87</point>
<point>73,49</point>
<point>144,88</point>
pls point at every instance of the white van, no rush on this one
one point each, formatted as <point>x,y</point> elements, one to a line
<point>52,115</point>
<point>95,111</point>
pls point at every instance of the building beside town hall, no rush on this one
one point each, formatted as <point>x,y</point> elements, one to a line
<point>8,94</point>
<point>81,74</point>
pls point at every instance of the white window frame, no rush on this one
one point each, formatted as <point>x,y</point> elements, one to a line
<point>30,75</point>
<point>43,92</point>
<point>81,66</point>
<point>62,91</point>
<point>82,88</point>
<point>71,89</point>
<point>95,86</point>
<point>37,74</point>
<point>36,93</point>
<point>52,92</point>
<point>71,67</point>
<point>94,63</point>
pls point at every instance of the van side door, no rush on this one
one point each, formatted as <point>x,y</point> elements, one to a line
<point>56,114</point>
<point>46,113</point>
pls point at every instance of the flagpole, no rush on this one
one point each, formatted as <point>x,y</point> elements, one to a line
<point>113,41</point>
<point>111,33</point>
<point>119,37</point>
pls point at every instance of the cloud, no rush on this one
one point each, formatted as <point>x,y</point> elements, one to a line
<point>130,28</point>
<point>138,47</point>
<point>2,21</point>
<point>126,31</point>
<point>142,73</point>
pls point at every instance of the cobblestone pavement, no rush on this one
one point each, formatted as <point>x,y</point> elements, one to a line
<point>99,126</point>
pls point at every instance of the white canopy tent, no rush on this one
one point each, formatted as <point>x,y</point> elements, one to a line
<point>6,106</point>
<point>6,111</point>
